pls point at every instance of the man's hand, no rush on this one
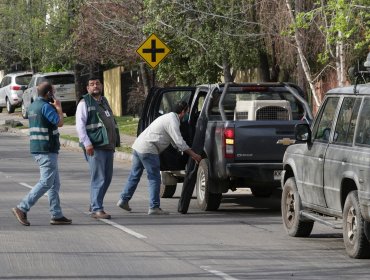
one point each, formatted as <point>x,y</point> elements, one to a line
<point>89,150</point>
<point>196,157</point>
<point>193,155</point>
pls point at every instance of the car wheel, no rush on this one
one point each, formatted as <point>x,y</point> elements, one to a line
<point>262,191</point>
<point>24,111</point>
<point>1,109</point>
<point>9,106</point>
<point>207,201</point>
<point>354,228</point>
<point>167,191</point>
<point>291,205</point>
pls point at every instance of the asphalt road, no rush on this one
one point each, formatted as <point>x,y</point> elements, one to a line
<point>243,240</point>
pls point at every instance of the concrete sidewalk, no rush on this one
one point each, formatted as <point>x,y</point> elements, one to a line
<point>70,130</point>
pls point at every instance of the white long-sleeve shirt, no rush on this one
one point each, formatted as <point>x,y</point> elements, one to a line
<point>162,132</point>
<point>81,119</point>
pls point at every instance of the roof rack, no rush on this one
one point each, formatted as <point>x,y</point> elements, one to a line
<point>358,75</point>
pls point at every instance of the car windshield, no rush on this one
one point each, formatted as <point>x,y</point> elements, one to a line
<point>61,79</point>
<point>23,80</point>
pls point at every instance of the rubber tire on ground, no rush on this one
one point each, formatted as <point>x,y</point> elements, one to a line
<point>1,109</point>
<point>167,191</point>
<point>291,205</point>
<point>24,111</point>
<point>207,201</point>
<point>262,191</point>
<point>9,107</point>
<point>355,241</point>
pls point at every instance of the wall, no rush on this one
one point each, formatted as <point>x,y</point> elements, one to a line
<point>112,89</point>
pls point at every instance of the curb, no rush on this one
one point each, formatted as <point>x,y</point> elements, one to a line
<point>69,143</point>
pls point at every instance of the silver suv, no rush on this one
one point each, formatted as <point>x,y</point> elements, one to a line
<point>64,85</point>
<point>11,90</point>
<point>326,176</point>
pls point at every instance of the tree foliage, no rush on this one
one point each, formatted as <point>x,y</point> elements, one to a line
<point>39,37</point>
<point>208,38</point>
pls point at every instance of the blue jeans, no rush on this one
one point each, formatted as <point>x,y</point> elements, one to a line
<point>149,162</point>
<point>49,182</point>
<point>101,172</point>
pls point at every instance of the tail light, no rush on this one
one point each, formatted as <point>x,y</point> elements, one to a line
<point>229,141</point>
<point>15,87</point>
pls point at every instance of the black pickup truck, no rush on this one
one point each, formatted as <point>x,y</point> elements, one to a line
<point>241,131</point>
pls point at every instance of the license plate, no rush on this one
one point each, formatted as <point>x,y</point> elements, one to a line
<point>277,174</point>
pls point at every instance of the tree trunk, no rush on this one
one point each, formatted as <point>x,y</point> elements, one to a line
<point>228,77</point>
<point>302,58</point>
<point>275,69</point>
<point>79,84</point>
<point>145,78</point>
<point>263,68</point>
<point>340,60</point>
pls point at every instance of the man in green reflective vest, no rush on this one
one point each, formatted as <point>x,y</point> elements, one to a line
<point>99,136</point>
<point>45,116</point>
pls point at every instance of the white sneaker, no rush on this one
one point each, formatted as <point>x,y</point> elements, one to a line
<point>123,205</point>
<point>157,211</point>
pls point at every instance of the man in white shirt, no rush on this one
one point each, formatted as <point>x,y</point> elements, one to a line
<point>162,132</point>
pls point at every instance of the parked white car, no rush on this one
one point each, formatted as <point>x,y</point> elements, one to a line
<point>64,85</point>
<point>11,90</point>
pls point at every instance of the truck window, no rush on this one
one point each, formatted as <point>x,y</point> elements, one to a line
<point>346,123</point>
<point>171,98</point>
<point>363,129</point>
<point>322,127</point>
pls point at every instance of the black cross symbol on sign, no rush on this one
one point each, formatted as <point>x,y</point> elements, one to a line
<point>153,50</point>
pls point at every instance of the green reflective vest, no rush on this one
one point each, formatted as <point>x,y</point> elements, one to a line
<point>44,136</point>
<point>95,128</point>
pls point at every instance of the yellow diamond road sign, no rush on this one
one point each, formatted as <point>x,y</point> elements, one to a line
<point>153,50</point>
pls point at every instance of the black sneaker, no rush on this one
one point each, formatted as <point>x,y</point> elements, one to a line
<point>60,221</point>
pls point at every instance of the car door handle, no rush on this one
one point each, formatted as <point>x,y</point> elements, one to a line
<point>344,161</point>
<point>321,157</point>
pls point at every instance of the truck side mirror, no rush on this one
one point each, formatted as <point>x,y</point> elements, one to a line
<point>302,133</point>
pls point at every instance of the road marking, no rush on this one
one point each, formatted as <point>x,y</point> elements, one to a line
<point>26,185</point>
<point>218,273</point>
<point>120,227</point>
<point>123,228</point>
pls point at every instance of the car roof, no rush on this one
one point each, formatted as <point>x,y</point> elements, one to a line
<point>360,89</point>
<point>19,73</point>
<point>55,73</point>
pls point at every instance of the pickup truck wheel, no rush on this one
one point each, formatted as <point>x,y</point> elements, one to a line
<point>207,201</point>
<point>354,227</point>
<point>24,111</point>
<point>291,205</point>
<point>167,191</point>
<point>262,191</point>
<point>9,107</point>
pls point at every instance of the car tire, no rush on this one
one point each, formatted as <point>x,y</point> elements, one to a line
<point>207,201</point>
<point>1,109</point>
<point>354,228</point>
<point>262,191</point>
<point>291,206</point>
<point>167,191</point>
<point>24,111</point>
<point>9,107</point>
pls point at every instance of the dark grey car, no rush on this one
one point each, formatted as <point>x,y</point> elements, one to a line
<point>326,175</point>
